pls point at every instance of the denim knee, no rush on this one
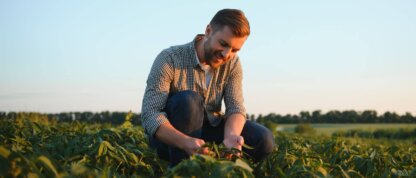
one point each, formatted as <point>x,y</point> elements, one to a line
<point>260,138</point>
<point>185,111</point>
<point>268,142</point>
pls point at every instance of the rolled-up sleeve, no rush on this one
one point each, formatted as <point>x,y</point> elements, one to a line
<point>233,95</point>
<point>156,93</point>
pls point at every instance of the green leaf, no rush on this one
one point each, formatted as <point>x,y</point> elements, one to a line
<point>280,172</point>
<point>108,145</point>
<point>204,157</point>
<point>48,164</point>
<point>373,154</point>
<point>322,171</point>
<point>247,147</point>
<point>221,170</point>
<point>133,157</point>
<point>243,164</point>
<point>101,149</point>
<point>32,175</point>
<point>354,173</point>
<point>4,152</point>
<point>123,156</point>
<point>345,174</point>
<point>217,153</point>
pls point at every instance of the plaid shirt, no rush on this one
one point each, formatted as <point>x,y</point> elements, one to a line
<point>177,69</point>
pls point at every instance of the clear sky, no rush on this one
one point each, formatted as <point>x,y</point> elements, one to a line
<point>302,55</point>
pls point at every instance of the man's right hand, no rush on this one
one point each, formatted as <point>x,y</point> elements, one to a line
<point>169,135</point>
<point>192,145</point>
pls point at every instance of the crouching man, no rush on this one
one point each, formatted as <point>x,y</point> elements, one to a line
<point>181,108</point>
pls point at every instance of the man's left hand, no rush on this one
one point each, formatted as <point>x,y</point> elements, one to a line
<point>234,141</point>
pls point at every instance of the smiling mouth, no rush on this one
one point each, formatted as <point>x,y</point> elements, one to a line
<point>219,57</point>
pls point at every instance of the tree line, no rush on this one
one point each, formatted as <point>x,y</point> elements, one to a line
<point>116,118</point>
<point>335,116</point>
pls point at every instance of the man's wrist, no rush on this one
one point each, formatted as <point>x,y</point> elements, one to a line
<point>182,142</point>
<point>230,135</point>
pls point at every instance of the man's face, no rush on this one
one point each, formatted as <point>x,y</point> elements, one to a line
<point>221,46</point>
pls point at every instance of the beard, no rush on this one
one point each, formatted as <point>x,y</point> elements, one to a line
<point>212,58</point>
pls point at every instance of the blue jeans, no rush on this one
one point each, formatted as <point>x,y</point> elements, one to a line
<point>186,112</point>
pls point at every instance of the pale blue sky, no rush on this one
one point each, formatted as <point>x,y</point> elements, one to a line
<point>306,55</point>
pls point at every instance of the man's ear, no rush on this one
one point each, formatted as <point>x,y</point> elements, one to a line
<point>208,30</point>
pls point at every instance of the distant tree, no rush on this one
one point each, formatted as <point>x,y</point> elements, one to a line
<point>390,117</point>
<point>407,118</point>
<point>306,116</point>
<point>118,118</point>
<point>369,116</point>
<point>136,119</point>
<point>350,116</point>
<point>252,117</point>
<point>333,117</point>
<point>316,116</point>
<point>86,116</point>
<point>3,115</point>
<point>260,117</point>
<point>12,115</point>
<point>64,117</point>
<point>106,117</point>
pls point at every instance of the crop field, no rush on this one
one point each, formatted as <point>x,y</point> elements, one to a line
<point>38,147</point>
<point>328,129</point>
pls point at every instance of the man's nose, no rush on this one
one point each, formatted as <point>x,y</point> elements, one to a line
<point>225,53</point>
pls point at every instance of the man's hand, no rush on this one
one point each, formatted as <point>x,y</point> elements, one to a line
<point>234,141</point>
<point>169,135</point>
<point>233,127</point>
<point>192,145</point>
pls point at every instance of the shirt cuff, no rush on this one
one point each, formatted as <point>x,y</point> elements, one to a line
<point>154,124</point>
<point>235,111</point>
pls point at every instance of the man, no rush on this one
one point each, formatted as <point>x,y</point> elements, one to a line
<point>181,108</point>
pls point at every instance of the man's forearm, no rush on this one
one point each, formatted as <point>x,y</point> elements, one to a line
<point>171,136</point>
<point>234,125</point>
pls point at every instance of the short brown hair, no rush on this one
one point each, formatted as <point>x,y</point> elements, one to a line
<point>234,19</point>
